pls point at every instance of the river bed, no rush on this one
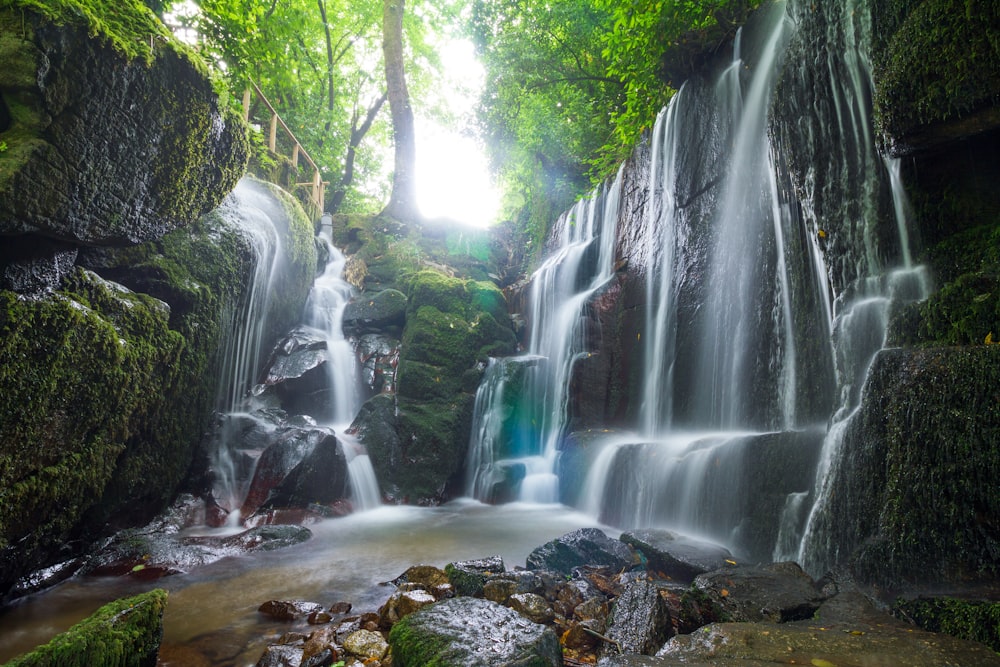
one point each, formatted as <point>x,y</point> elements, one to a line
<point>212,611</point>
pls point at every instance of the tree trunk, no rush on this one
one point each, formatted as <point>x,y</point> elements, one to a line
<point>402,202</point>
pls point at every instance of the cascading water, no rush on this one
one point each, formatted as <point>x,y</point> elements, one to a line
<point>751,343</point>
<point>241,358</point>
<point>325,314</point>
<point>561,288</point>
<point>247,421</point>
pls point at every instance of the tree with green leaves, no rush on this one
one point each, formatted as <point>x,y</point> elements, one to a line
<point>402,201</point>
<point>572,84</point>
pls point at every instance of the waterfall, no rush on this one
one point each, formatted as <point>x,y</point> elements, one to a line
<point>246,210</point>
<point>248,421</point>
<point>581,265</point>
<point>325,314</point>
<point>768,276</point>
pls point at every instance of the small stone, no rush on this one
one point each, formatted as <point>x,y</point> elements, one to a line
<point>340,608</point>
<point>533,607</point>
<point>366,644</point>
<point>319,618</point>
<point>289,610</point>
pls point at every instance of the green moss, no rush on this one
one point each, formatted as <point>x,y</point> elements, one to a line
<point>968,619</point>
<point>412,647</point>
<point>923,460</point>
<point>124,633</point>
<point>434,435</point>
<point>90,363</point>
<point>128,25</point>
<point>941,62</point>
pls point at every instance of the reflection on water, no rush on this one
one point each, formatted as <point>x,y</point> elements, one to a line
<point>214,609</point>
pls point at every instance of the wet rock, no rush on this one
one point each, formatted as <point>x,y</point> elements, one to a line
<point>33,267</point>
<point>320,478</point>
<point>777,592</point>
<point>341,608</point>
<point>111,149</point>
<point>376,312</point>
<point>289,448</point>
<point>640,619</point>
<point>470,631</point>
<point>320,642</point>
<point>379,355</point>
<point>324,658</point>
<point>469,576</point>
<point>587,546</point>
<point>366,645</point>
<point>289,610</point>
<point>280,655</point>
<point>296,373</point>
<point>427,576</point>
<point>581,636</point>
<point>376,428</point>
<point>401,604</point>
<point>263,538</point>
<point>571,594</point>
<point>533,607</point>
<point>500,587</point>
<point>677,557</point>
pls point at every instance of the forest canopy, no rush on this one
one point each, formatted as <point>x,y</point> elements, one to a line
<point>570,84</point>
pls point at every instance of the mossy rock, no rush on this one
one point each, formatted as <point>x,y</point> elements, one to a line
<point>434,436</point>
<point>123,633</point>
<point>83,167</point>
<point>82,373</point>
<point>940,66</point>
<point>977,620</point>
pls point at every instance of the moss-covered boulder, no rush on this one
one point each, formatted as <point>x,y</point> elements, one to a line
<point>937,70</point>
<point>452,327</point>
<point>441,635</point>
<point>123,633</point>
<point>114,131</point>
<point>911,496</point>
<point>107,387</point>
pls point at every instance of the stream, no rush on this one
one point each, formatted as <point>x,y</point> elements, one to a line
<point>213,610</point>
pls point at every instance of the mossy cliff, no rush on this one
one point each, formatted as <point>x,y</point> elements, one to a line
<point>115,133</point>
<point>123,633</point>
<point>455,319</point>
<point>106,392</point>
<point>936,65</point>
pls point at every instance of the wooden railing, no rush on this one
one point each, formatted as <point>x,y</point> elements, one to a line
<point>316,187</point>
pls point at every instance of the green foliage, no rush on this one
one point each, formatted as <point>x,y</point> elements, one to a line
<point>572,85</point>
<point>123,633</point>
<point>968,619</point>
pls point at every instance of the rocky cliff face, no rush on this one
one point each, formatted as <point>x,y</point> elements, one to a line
<point>833,107</point>
<point>117,288</point>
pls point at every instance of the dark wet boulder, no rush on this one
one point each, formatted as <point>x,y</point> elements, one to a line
<point>675,556</point>
<point>320,478</point>
<point>640,620</point>
<point>33,266</point>
<point>469,576</point>
<point>376,312</point>
<point>124,633</point>
<point>777,592</point>
<point>375,427</point>
<point>159,549</point>
<point>587,546</point>
<point>282,456</point>
<point>469,631</point>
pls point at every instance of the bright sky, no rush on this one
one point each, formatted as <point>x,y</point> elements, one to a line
<point>453,178</point>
